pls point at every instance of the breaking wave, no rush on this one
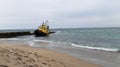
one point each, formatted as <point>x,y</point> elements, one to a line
<point>97,48</point>
<point>32,43</point>
<point>80,46</point>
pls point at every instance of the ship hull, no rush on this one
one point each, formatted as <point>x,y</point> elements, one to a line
<point>39,33</point>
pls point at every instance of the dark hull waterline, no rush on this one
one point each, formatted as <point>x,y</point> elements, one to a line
<point>38,33</point>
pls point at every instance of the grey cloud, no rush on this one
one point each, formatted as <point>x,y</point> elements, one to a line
<point>81,13</point>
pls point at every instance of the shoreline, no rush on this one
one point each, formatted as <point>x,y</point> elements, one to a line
<point>20,55</point>
<point>102,58</point>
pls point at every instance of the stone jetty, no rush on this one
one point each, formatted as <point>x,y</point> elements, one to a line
<point>14,34</point>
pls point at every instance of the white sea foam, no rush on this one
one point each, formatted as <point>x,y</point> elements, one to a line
<point>3,39</point>
<point>42,41</point>
<point>57,32</point>
<point>97,48</point>
<point>9,39</point>
<point>75,45</point>
<point>31,44</point>
<point>12,39</point>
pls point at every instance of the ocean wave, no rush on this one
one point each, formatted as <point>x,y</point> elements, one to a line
<point>75,45</point>
<point>15,39</point>
<point>37,42</point>
<point>42,41</point>
<point>3,39</point>
<point>97,48</point>
<point>9,39</point>
<point>31,43</point>
<point>57,32</point>
<point>21,39</point>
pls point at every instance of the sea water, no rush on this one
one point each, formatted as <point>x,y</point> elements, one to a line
<point>96,45</point>
<point>107,39</point>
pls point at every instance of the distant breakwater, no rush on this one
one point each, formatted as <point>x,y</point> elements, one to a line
<point>14,34</point>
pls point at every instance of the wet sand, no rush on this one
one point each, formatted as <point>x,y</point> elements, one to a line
<point>102,58</point>
<point>14,55</point>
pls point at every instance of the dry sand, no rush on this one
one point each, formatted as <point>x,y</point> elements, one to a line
<point>12,55</point>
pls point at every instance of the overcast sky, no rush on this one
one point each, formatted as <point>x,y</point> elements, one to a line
<point>25,14</point>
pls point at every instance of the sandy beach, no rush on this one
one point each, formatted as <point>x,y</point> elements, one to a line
<point>14,55</point>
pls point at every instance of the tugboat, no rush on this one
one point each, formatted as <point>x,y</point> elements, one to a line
<point>43,30</point>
